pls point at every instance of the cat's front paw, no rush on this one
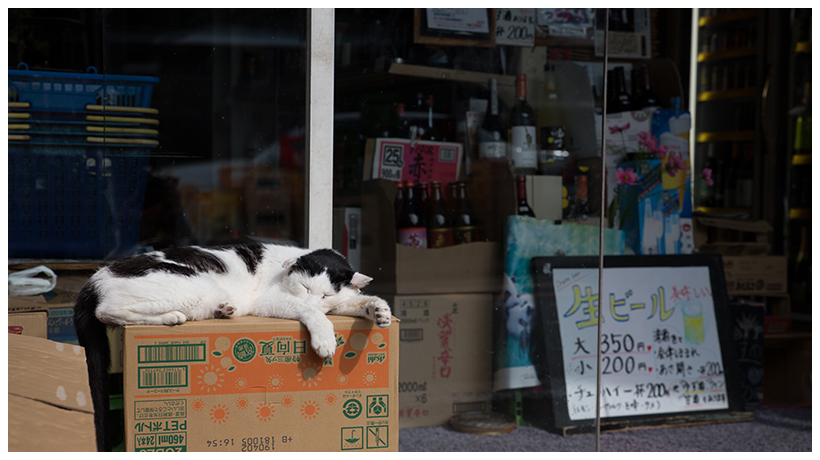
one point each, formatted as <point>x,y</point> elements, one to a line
<point>380,312</point>
<point>324,344</point>
<point>224,310</point>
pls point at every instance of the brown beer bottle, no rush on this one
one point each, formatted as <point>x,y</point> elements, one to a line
<point>411,229</point>
<point>439,229</point>
<point>464,228</point>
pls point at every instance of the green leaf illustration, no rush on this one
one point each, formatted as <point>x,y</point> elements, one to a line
<point>382,345</point>
<point>217,353</point>
<point>350,354</point>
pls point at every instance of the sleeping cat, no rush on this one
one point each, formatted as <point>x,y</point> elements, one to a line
<point>194,283</point>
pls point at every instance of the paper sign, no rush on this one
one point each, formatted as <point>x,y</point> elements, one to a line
<point>515,26</point>
<point>471,20</point>
<point>400,159</point>
<point>565,22</point>
<point>660,345</point>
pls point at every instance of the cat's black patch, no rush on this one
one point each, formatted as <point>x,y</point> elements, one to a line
<point>317,262</point>
<point>143,264</point>
<point>250,253</point>
<point>195,258</point>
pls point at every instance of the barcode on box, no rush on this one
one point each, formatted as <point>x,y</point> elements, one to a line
<point>162,377</point>
<point>461,407</point>
<point>411,335</point>
<point>171,353</point>
<point>447,155</point>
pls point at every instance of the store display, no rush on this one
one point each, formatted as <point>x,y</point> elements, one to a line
<point>465,229</point>
<point>618,99</point>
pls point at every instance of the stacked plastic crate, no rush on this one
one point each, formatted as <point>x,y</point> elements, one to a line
<point>79,147</point>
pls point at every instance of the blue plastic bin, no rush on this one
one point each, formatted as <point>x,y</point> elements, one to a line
<point>75,201</point>
<point>70,92</point>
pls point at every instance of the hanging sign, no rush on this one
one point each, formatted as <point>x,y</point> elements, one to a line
<point>665,336</point>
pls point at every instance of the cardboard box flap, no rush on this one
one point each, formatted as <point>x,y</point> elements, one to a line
<point>52,372</point>
<point>39,427</point>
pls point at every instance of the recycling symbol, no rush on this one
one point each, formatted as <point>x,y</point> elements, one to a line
<point>352,408</point>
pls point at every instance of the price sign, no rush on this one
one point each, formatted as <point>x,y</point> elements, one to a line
<point>515,26</point>
<point>665,336</point>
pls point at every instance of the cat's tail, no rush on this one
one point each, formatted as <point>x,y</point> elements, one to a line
<point>93,337</point>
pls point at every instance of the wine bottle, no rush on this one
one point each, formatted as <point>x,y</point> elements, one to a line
<point>524,208</point>
<point>550,115</point>
<point>464,228</point>
<point>439,227</point>
<point>430,133</point>
<point>402,122</point>
<point>635,75</point>
<point>647,97</point>
<point>411,229</point>
<point>523,144</point>
<point>581,208</point>
<point>618,100</point>
<point>491,142</point>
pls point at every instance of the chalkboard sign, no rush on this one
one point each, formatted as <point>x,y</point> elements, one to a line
<point>666,341</point>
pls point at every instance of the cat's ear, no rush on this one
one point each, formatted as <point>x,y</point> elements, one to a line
<point>360,280</point>
<point>290,262</point>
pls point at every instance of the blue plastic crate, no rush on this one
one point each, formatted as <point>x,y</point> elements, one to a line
<point>71,92</point>
<point>75,201</point>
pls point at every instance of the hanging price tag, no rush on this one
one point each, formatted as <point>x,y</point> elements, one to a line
<point>515,26</point>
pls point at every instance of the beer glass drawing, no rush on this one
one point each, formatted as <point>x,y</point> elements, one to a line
<point>693,321</point>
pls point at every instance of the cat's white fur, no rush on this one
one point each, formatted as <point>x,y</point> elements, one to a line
<point>159,298</point>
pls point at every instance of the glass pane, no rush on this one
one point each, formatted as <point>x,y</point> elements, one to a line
<point>230,103</point>
<point>463,168</point>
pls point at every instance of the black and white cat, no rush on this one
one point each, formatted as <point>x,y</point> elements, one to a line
<point>194,283</point>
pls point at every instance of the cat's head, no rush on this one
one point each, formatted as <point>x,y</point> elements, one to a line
<point>323,277</point>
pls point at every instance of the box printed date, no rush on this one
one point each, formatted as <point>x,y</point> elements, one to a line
<point>250,444</point>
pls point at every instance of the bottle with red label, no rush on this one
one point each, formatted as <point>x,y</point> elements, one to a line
<point>411,228</point>
<point>524,208</point>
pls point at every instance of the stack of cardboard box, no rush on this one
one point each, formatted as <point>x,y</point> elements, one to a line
<point>443,298</point>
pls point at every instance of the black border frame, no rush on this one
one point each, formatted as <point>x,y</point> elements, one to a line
<point>550,366</point>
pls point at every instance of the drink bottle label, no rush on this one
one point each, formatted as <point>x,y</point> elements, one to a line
<point>415,237</point>
<point>523,144</point>
<point>439,237</point>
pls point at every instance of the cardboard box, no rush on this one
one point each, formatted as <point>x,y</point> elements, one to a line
<point>397,269</point>
<point>448,338</point>
<point>731,237</point>
<point>32,324</point>
<point>396,159</point>
<point>544,196</point>
<point>347,234</point>
<point>49,402</point>
<point>255,384</point>
<point>756,275</point>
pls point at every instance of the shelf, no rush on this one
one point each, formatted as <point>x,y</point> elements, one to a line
<point>727,94</point>
<point>436,73</point>
<point>722,211</point>
<point>803,47</point>
<point>727,54</point>
<point>726,136</point>
<point>728,17</point>
<point>799,213</point>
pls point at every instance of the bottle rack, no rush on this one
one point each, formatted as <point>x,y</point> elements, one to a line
<point>728,106</point>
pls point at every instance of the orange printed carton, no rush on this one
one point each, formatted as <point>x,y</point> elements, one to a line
<point>255,384</point>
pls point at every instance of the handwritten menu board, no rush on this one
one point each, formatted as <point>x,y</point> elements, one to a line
<point>665,335</point>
